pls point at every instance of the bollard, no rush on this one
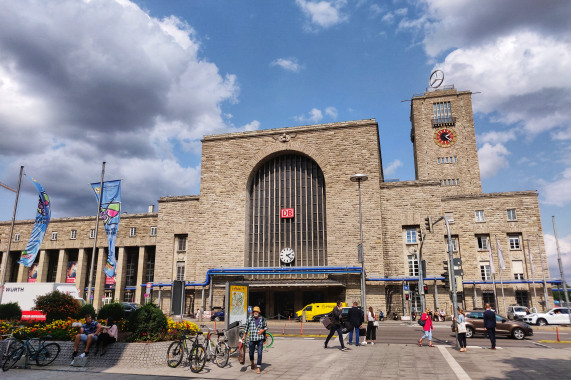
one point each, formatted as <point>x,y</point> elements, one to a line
<point>214,325</point>
<point>301,328</point>
<point>558,338</point>
<point>283,333</point>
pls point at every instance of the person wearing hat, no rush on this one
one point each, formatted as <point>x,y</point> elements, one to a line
<point>255,329</point>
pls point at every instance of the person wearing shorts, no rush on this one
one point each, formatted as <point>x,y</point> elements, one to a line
<point>88,333</point>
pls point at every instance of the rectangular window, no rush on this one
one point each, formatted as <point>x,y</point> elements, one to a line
<point>180,270</point>
<point>153,231</point>
<point>411,236</point>
<point>413,265</point>
<point>129,295</point>
<point>522,297</point>
<point>511,214</point>
<point>479,216</point>
<point>150,267</point>
<point>16,237</point>
<point>488,297</point>
<point>449,216</point>
<point>442,113</point>
<point>454,244</point>
<point>131,268</point>
<point>482,242</point>
<point>132,231</point>
<point>517,269</point>
<point>514,242</point>
<point>73,234</point>
<point>180,243</point>
<point>54,235</point>
<point>92,234</point>
<point>485,270</point>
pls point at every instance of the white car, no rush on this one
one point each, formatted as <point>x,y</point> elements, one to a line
<point>555,316</point>
<point>516,312</point>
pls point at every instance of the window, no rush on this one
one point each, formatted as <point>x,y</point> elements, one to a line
<point>153,231</point>
<point>517,269</point>
<point>482,242</point>
<point>150,267</point>
<point>514,242</point>
<point>132,231</point>
<point>449,216</point>
<point>480,216</point>
<point>442,113</point>
<point>522,297</point>
<point>411,236</point>
<point>131,268</point>
<point>485,270</point>
<point>447,160</point>
<point>54,235</point>
<point>180,243</point>
<point>180,270</point>
<point>92,234</point>
<point>73,234</point>
<point>512,215</point>
<point>413,265</point>
<point>488,297</point>
<point>129,295</point>
<point>16,237</point>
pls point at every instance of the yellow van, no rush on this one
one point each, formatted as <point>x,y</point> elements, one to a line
<point>314,311</point>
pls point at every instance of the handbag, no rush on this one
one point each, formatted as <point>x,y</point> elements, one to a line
<point>422,322</point>
<point>327,323</point>
<point>376,323</point>
<point>461,327</point>
<point>242,353</point>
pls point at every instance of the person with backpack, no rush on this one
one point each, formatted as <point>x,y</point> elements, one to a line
<point>255,329</point>
<point>426,322</point>
<point>335,316</point>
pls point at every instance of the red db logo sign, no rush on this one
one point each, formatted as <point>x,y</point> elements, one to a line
<point>287,213</point>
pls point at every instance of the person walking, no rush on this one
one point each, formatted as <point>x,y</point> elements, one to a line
<point>427,328</point>
<point>461,326</point>
<point>490,325</point>
<point>255,329</point>
<point>335,316</point>
<point>356,318</point>
<point>371,328</point>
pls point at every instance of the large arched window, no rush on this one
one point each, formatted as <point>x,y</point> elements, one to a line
<point>289,181</point>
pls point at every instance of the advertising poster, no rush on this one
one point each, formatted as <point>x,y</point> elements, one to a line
<point>71,272</point>
<point>109,280</point>
<point>33,273</point>
<point>236,305</point>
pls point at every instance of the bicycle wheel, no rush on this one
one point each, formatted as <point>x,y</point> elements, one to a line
<point>11,345</point>
<point>197,359</point>
<point>47,354</point>
<point>269,340</point>
<point>12,358</point>
<point>175,354</point>
<point>221,354</point>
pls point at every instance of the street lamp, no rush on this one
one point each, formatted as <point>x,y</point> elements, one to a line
<point>361,178</point>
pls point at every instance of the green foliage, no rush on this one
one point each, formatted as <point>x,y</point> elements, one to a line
<point>148,323</point>
<point>86,309</point>
<point>10,311</point>
<point>57,305</point>
<point>114,311</point>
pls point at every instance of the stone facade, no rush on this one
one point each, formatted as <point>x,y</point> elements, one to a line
<point>212,230</point>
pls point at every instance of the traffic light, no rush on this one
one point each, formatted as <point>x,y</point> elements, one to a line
<point>428,223</point>
<point>406,296</point>
<point>446,274</point>
<point>425,289</point>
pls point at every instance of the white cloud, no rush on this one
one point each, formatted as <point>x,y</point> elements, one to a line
<point>253,126</point>
<point>492,159</point>
<point>331,112</point>
<point>315,115</point>
<point>391,169</point>
<point>289,64</point>
<point>323,14</point>
<point>551,251</point>
<point>558,192</point>
<point>497,136</point>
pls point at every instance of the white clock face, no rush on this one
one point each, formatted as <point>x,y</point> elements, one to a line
<point>287,255</point>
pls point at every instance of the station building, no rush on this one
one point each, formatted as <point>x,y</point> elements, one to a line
<point>277,210</point>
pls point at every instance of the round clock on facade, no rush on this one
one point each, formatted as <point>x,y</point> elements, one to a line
<point>287,255</point>
<point>445,137</point>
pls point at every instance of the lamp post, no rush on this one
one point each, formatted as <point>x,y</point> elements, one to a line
<point>361,178</point>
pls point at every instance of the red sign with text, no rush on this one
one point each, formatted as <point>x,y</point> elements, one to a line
<point>287,213</point>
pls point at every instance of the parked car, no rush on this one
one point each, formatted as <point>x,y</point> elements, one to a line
<point>130,307</point>
<point>517,312</point>
<point>555,316</point>
<point>475,325</point>
<point>217,316</point>
<point>316,311</point>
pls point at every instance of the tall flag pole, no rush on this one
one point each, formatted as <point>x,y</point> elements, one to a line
<point>5,256</point>
<point>43,216</point>
<point>94,252</point>
<point>561,269</point>
<point>532,274</point>
<point>545,296</point>
<point>502,267</point>
<point>109,199</point>
<point>493,271</point>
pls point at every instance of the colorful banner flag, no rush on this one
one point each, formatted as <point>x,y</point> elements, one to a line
<point>110,213</point>
<point>71,272</point>
<point>33,273</point>
<point>492,268</point>
<point>43,216</point>
<point>500,255</point>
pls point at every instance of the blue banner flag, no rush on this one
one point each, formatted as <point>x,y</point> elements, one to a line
<point>43,215</point>
<point>110,213</point>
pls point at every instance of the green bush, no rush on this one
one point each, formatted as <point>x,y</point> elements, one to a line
<point>114,311</point>
<point>10,311</point>
<point>86,309</point>
<point>57,305</point>
<point>148,323</point>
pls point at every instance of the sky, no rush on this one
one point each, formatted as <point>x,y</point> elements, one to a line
<point>137,84</point>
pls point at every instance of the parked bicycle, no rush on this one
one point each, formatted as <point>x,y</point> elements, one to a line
<point>218,352</point>
<point>10,343</point>
<point>34,349</point>
<point>179,349</point>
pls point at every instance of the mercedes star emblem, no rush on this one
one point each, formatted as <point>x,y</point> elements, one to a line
<point>436,78</point>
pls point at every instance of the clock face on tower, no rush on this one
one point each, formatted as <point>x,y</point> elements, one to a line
<point>287,255</point>
<point>445,137</point>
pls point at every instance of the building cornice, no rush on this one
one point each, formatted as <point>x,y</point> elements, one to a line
<point>510,194</point>
<point>179,198</point>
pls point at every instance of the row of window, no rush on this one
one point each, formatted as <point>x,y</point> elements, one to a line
<point>483,241</point>
<point>517,270</point>
<point>447,160</point>
<point>73,234</point>
<point>511,213</point>
<point>442,113</point>
<point>450,182</point>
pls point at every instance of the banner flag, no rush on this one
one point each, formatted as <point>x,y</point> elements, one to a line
<point>43,216</point>
<point>110,213</point>
<point>500,255</point>
<point>492,268</point>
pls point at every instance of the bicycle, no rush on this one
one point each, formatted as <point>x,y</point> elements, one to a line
<point>269,341</point>
<point>197,355</point>
<point>11,344</point>
<point>44,354</point>
<point>218,352</point>
<point>178,349</point>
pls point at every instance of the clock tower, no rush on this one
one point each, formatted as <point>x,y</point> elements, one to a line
<point>444,140</point>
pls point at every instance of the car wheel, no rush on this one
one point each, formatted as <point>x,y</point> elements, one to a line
<point>217,319</point>
<point>541,322</point>
<point>518,334</point>
<point>469,332</point>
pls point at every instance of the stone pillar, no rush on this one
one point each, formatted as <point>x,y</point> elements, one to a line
<point>81,275</point>
<point>120,275</point>
<point>62,266</point>
<point>100,280</point>
<point>43,267</point>
<point>23,273</point>
<point>141,275</point>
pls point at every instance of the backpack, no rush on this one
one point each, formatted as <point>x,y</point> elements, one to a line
<point>422,322</point>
